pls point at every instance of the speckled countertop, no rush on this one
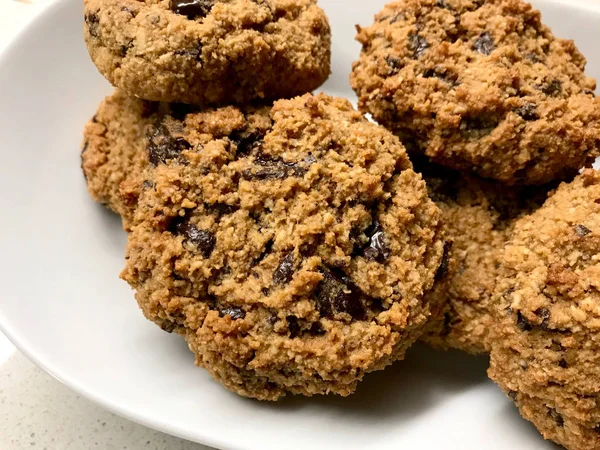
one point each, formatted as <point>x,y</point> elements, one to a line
<point>37,411</point>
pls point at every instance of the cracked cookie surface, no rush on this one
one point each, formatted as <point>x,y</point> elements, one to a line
<point>547,351</point>
<point>209,52</point>
<point>293,260</point>
<point>479,86</point>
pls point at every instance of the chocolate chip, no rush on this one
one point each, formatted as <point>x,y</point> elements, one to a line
<point>417,45</point>
<point>232,311</point>
<point>336,293</point>
<point>310,159</point>
<point>191,8</point>
<point>443,270</point>
<point>556,417</point>
<point>544,314</point>
<point>266,250</point>
<point>588,92</point>
<point>527,111</point>
<point>147,184</point>
<point>223,209</point>
<point>270,168</point>
<point>513,395</point>
<point>93,23</point>
<point>534,58</point>
<point>162,146</point>
<point>246,142</point>
<point>597,428</point>
<point>563,363</point>
<point>523,323</point>
<point>582,231</point>
<point>204,240</point>
<point>285,271</point>
<point>377,249</point>
<point>398,17</point>
<point>442,4</point>
<point>293,326</point>
<point>553,88</point>
<point>484,44</point>
<point>316,329</point>
<point>395,64</point>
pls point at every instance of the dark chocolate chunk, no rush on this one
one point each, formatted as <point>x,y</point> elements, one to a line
<point>553,88</point>
<point>162,146</point>
<point>588,92</point>
<point>266,250</point>
<point>285,271</point>
<point>417,45</point>
<point>316,329</point>
<point>544,314</point>
<point>395,64</point>
<point>478,126</point>
<point>582,230</point>
<point>169,327</point>
<point>310,159</point>
<point>563,363</point>
<point>204,240</point>
<point>270,168</point>
<point>527,112</point>
<point>147,184</point>
<point>232,311</point>
<point>246,142</point>
<point>336,293</point>
<point>443,74</point>
<point>556,417</point>
<point>194,53</point>
<point>523,323</point>
<point>484,44</point>
<point>93,23</point>
<point>293,326</point>
<point>377,248</point>
<point>513,395</point>
<point>191,8</point>
<point>223,209</point>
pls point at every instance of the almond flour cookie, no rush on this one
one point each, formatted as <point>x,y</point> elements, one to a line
<point>208,51</point>
<point>481,86</point>
<point>478,217</point>
<point>128,135</point>
<point>546,353</point>
<point>294,260</point>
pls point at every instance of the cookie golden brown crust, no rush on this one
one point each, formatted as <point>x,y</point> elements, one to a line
<point>209,52</point>
<point>294,261</point>
<point>478,217</point>
<point>548,307</point>
<point>128,136</point>
<point>479,86</point>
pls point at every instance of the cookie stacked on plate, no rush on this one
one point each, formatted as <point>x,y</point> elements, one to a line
<point>285,236</point>
<point>484,89</point>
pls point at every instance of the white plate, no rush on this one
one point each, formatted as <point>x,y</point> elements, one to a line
<point>62,304</point>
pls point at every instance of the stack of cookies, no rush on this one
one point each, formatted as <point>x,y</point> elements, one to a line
<point>294,244</point>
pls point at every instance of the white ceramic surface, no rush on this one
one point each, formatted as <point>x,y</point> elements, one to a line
<point>62,304</point>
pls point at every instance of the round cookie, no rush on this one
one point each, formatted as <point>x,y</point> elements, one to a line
<point>128,135</point>
<point>479,86</point>
<point>478,217</point>
<point>293,261</point>
<point>547,297</point>
<point>208,51</point>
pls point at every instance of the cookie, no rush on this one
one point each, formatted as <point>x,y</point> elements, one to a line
<point>293,261</point>
<point>547,346</point>
<point>209,52</point>
<point>478,217</point>
<point>480,86</point>
<point>128,135</point>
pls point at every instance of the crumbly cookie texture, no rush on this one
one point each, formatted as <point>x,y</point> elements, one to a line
<point>128,136</point>
<point>479,86</point>
<point>478,217</point>
<point>209,52</point>
<point>293,260</point>
<point>547,349</point>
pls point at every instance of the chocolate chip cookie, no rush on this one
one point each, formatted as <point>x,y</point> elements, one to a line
<point>478,217</point>
<point>482,86</point>
<point>547,350</point>
<point>293,260</point>
<point>208,51</point>
<point>127,136</point>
